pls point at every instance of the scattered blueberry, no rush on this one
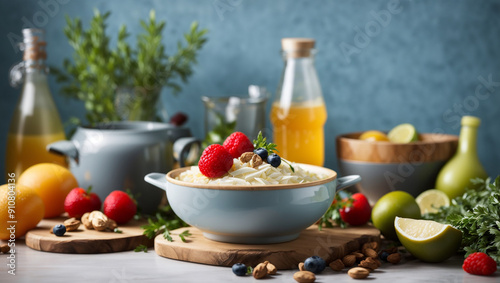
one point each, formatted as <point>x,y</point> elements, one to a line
<point>59,230</point>
<point>239,269</point>
<point>274,160</point>
<point>262,152</point>
<point>384,255</point>
<point>315,264</point>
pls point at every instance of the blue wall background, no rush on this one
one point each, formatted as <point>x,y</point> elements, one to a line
<point>422,65</point>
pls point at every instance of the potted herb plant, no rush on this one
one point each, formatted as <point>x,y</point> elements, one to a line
<point>123,83</point>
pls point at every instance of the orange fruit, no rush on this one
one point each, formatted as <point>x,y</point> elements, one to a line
<point>52,183</point>
<point>22,203</point>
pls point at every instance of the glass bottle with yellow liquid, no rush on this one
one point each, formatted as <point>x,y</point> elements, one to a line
<point>298,113</point>
<point>36,122</point>
<point>455,176</point>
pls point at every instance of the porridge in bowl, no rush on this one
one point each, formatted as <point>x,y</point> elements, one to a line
<point>243,173</point>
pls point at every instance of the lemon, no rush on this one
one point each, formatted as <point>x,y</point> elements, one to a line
<point>404,133</point>
<point>374,136</point>
<point>19,204</point>
<point>431,200</point>
<point>427,240</point>
<point>396,203</point>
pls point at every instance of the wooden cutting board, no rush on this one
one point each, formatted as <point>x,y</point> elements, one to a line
<point>330,244</point>
<point>85,241</point>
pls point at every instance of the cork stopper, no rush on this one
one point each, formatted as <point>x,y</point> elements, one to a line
<point>34,45</point>
<point>297,47</point>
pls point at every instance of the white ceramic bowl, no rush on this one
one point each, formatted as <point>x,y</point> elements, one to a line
<point>261,214</point>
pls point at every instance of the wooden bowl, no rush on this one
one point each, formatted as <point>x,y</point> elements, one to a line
<point>387,166</point>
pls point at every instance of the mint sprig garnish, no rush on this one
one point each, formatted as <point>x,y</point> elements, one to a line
<point>261,141</point>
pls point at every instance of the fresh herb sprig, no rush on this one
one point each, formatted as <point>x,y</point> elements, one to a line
<point>141,248</point>
<point>184,234</point>
<point>261,141</point>
<point>332,215</point>
<point>164,221</point>
<point>477,214</point>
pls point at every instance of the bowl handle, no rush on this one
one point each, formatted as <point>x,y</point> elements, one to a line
<point>157,179</point>
<point>347,181</point>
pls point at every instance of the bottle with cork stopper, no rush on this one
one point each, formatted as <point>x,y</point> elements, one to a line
<point>298,113</point>
<point>36,121</point>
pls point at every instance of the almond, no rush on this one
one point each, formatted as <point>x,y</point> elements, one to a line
<point>358,255</point>
<point>4,248</point>
<point>394,258</point>
<point>337,265</point>
<point>304,277</point>
<point>349,260</point>
<point>301,266</point>
<point>72,224</point>
<point>369,263</point>
<point>370,253</point>
<point>271,269</point>
<point>260,271</point>
<point>358,272</point>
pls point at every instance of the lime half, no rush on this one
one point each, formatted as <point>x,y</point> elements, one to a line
<point>396,203</point>
<point>427,240</point>
<point>403,133</point>
<point>431,200</point>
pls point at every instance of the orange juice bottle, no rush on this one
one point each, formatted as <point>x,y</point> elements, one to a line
<point>35,122</point>
<point>298,113</point>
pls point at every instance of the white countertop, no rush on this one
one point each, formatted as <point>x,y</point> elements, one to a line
<point>36,266</point>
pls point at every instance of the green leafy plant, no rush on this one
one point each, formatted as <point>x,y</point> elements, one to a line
<point>477,214</point>
<point>122,82</point>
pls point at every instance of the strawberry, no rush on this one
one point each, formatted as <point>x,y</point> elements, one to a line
<point>79,201</point>
<point>120,207</point>
<point>479,264</point>
<point>358,213</point>
<point>238,143</point>
<point>215,161</point>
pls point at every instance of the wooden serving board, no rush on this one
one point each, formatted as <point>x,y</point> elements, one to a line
<point>84,241</point>
<point>330,244</point>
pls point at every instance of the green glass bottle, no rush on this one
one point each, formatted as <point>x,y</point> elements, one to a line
<point>455,176</point>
